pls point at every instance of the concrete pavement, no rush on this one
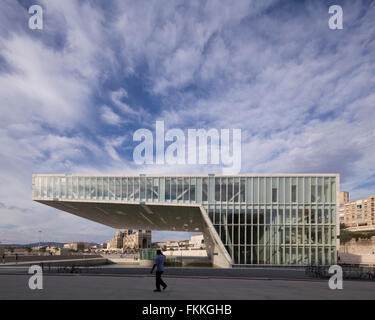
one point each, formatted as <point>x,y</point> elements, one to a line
<point>140,287</point>
<point>271,273</point>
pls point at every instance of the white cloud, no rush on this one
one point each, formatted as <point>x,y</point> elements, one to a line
<point>302,94</point>
<point>109,116</point>
<point>117,97</point>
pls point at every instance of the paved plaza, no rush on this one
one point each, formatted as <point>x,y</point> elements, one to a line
<point>141,287</point>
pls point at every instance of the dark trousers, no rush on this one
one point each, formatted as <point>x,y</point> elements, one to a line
<point>159,280</point>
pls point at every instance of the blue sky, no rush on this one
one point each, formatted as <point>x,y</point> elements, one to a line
<point>73,94</point>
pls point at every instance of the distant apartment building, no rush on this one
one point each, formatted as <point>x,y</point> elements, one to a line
<point>129,239</point>
<point>357,214</point>
<point>343,197</point>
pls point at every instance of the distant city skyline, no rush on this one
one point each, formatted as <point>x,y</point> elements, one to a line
<point>157,236</point>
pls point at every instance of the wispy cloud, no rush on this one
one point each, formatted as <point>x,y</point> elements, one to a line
<point>109,116</point>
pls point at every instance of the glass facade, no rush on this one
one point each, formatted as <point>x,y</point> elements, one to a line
<point>271,220</point>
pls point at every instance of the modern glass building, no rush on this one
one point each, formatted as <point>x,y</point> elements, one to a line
<point>246,219</point>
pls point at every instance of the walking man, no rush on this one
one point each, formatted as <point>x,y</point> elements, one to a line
<point>3,258</point>
<point>159,264</point>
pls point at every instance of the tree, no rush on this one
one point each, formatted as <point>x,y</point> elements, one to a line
<point>346,236</point>
<point>343,226</point>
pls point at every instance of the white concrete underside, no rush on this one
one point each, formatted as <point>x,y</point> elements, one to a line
<point>150,216</point>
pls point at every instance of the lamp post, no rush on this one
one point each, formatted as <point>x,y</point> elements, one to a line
<point>40,235</point>
<point>179,249</point>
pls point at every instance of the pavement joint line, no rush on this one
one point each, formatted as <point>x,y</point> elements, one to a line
<point>45,262</point>
<point>170,277</point>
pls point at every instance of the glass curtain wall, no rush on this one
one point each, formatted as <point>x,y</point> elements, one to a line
<point>282,220</point>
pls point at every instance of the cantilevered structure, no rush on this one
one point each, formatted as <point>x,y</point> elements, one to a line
<point>276,219</point>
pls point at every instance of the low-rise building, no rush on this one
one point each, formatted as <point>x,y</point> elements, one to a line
<point>58,251</point>
<point>77,246</point>
<point>197,241</point>
<point>19,251</point>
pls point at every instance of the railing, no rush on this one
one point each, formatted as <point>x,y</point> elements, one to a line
<point>349,272</point>
<point>72,268</point>
<point>147,254</point>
